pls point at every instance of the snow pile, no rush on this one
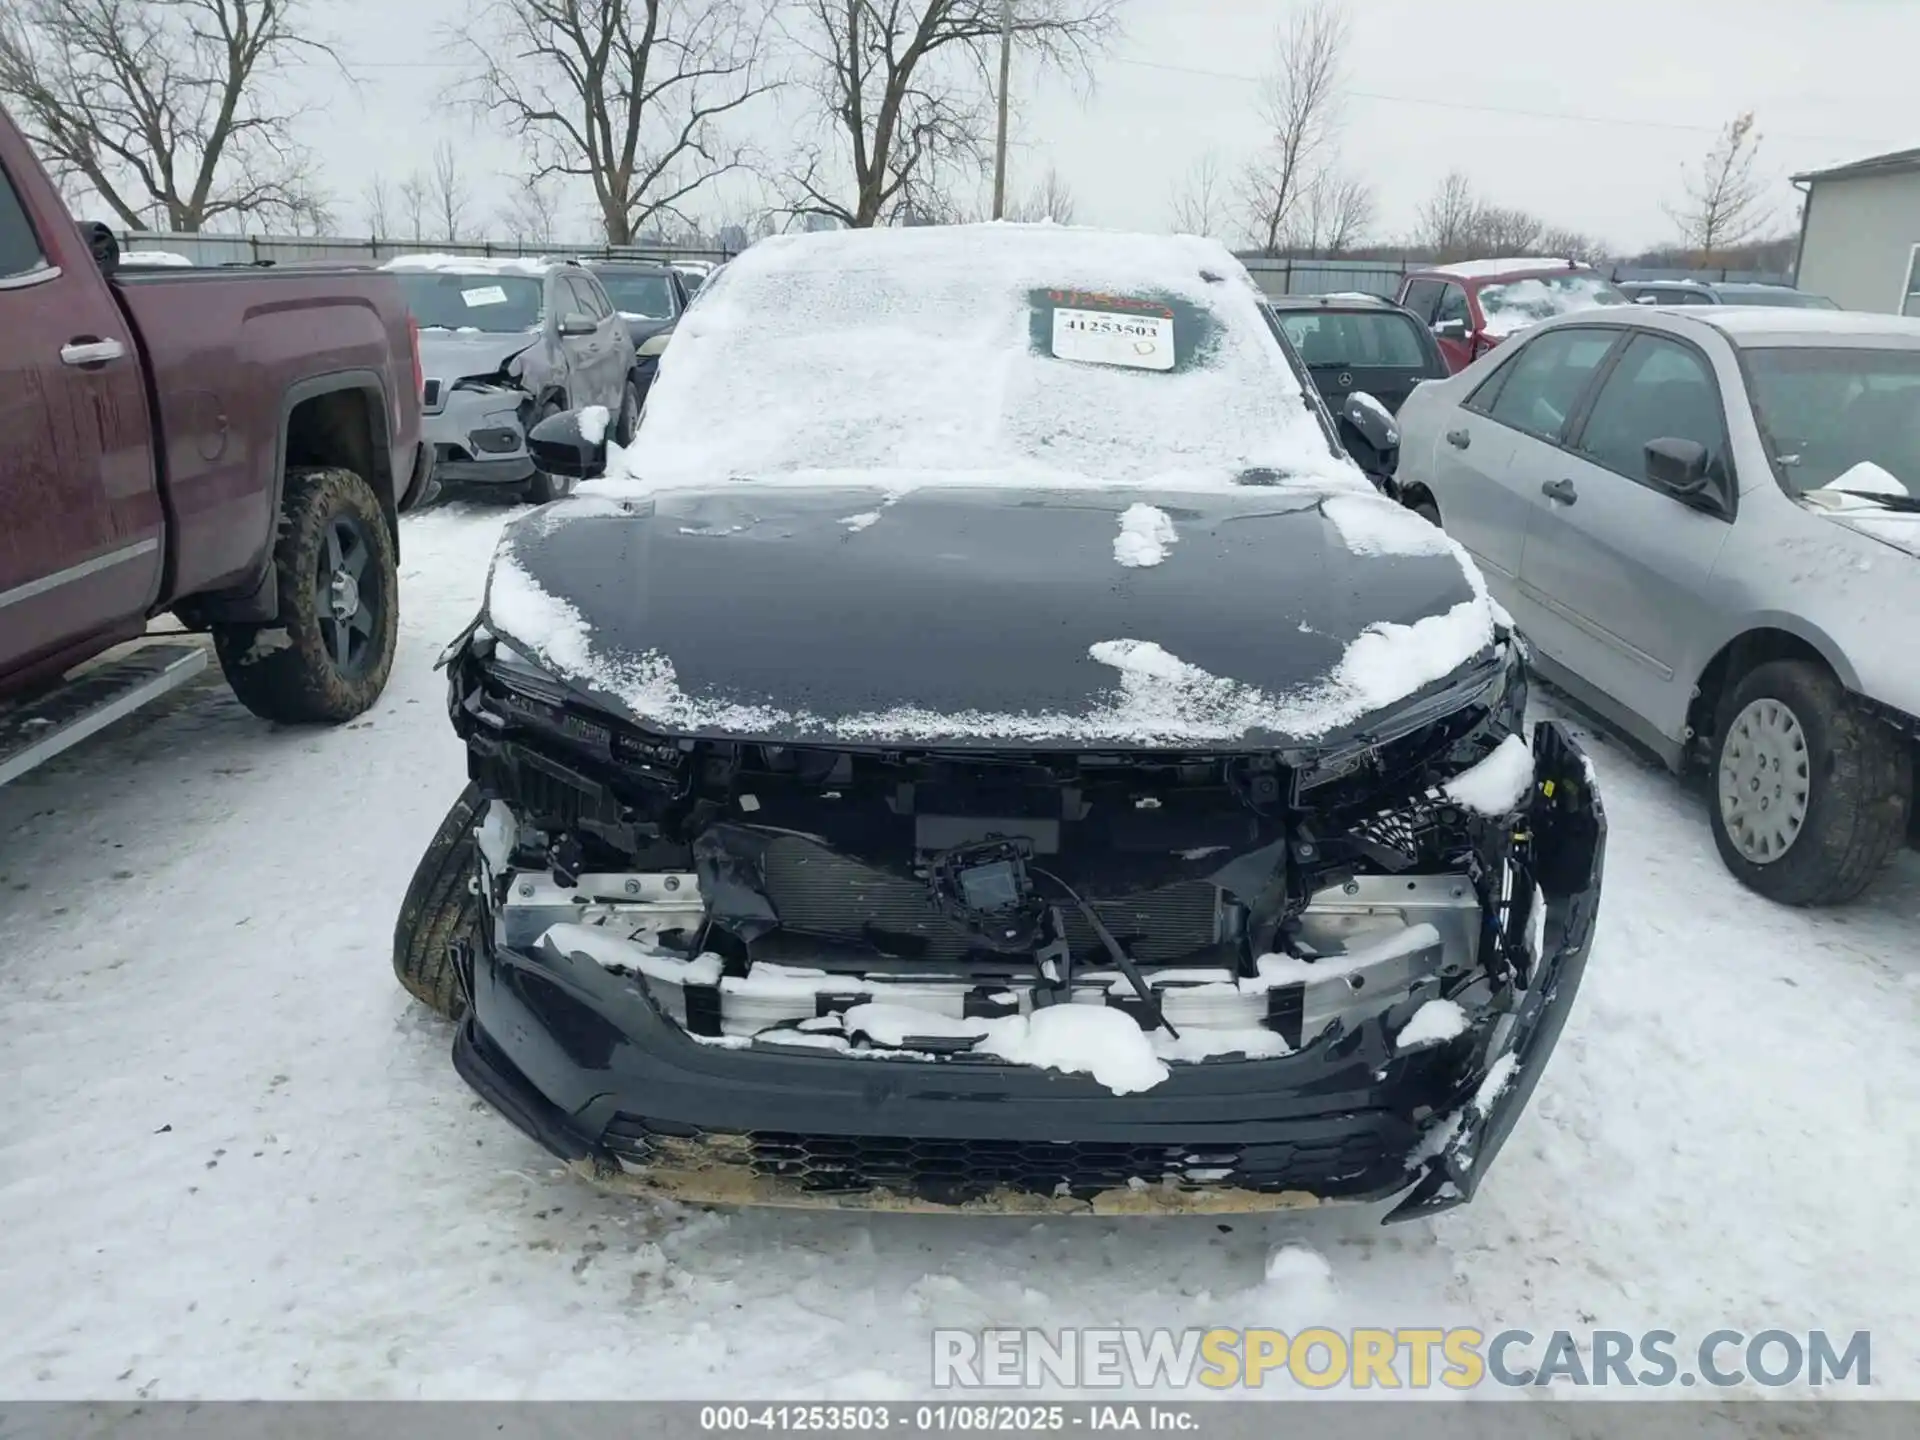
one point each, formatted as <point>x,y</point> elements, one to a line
<point>857,523</point>
<point>1433,1023</point>
<point>1498,784</point>
<point>593,423</point>
<point>916,356</point>
<point>1867,478</point>
<point>1499,1075</point>
<point>1519,303</point>
<point>1374,525</point>
<point>1145,534</point>
<point>616,952</point>
<point>474,264</point>
<point>1094,1040</point>
<point>167,258</point>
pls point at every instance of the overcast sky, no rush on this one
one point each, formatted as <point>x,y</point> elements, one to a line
<point>1584,114</point>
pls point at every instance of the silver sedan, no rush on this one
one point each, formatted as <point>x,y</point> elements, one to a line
<point>1705,523</point>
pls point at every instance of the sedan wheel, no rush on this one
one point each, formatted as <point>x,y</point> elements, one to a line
<point>1764,781</point>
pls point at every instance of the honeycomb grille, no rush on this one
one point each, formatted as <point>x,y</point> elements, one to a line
<point>954,1171</point>
<point>820,892</point>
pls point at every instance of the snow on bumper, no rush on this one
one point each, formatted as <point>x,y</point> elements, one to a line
<point>598,1064</point>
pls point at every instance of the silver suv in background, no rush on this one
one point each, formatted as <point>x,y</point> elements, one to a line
<point>1706,524</point>
<point>503,345</point>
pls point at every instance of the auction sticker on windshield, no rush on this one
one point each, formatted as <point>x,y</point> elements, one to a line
<point>1098,337</point>
<point>484,295</point>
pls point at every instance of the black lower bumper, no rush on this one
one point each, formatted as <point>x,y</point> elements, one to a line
<point>585,1063</point>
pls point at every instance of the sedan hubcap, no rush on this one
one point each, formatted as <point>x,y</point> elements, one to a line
<point>1765,780</point>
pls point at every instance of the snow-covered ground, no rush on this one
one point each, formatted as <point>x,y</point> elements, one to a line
<point>234,1159</point>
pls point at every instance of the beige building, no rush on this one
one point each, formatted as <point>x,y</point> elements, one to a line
<point>1860,234</point>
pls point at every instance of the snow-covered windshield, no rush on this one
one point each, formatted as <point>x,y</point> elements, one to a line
<point>1516,304</point>
<point>489,302</point>
<point>639,294</point>
<point>991,354</point>
<point>1825,413</point>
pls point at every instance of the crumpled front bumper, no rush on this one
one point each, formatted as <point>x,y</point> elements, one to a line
<point>584,1062</point>
<point>479,436</point>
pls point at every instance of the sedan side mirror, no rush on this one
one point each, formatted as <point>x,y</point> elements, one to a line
<point>559,445</point>
<point>574,325</point>
<point>1678,466</point>
<point>1365,420</point>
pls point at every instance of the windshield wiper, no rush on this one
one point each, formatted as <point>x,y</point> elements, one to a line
<point>1905,503</point>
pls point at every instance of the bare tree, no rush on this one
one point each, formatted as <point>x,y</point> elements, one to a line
<point>528,215</point>
<point>163,107</point>
<point>1051,199</point>
<point>414,205</point>
<point>448,192</point>
<point>902,96</point>
<point>1300,107</point>
<point>1447,219</point>
<point>1504,230</point>
<point>312,215</point>
<point>1200,203</point>
<point>1334,215</point>
<point>376,203</point>
<point>1725,203</point>
<point>628,95</point>
<point>1574,244</point>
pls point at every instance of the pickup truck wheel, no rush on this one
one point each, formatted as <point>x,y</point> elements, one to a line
<point>1810,791</point>
<point>328,656</point>
<point>438,910</point>
<point>544,487</point>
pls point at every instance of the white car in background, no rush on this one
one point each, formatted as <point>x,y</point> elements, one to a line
<point>1705,522</point>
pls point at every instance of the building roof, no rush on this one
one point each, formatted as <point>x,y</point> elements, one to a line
<point>1896,163</point>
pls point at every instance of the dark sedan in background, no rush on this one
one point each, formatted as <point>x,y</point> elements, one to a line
<point>650,298</point>
<point>1359,344</point>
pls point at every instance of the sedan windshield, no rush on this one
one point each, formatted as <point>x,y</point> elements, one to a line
<point>1354,338</point>
<point>639,294</point>
<point>1841,419</point>
<point>491,304</point>
<point>1777,295</point>
<point>1515,304</point>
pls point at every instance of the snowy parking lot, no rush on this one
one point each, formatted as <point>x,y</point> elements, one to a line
<point>235,1160</point>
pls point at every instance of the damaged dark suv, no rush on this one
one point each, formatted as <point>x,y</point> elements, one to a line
<point>987,747</point>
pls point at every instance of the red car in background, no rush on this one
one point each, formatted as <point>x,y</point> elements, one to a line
<point>1471,307</point>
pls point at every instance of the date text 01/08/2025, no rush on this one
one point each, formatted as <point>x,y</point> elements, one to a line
<point>934,1419</point>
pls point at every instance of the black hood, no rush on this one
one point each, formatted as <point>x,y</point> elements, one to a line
<point>803,607</point>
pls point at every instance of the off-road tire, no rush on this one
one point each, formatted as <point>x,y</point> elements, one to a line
<point>284,670</point>
<point>1861,787</point>
<point>627,423</point>
<point>543,487</point>
<point>440,908</point>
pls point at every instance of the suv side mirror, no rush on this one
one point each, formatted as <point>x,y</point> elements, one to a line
<point>559,446</point>
<point>1678,466</point>
<point>573,325</point>
<point>104,244</point>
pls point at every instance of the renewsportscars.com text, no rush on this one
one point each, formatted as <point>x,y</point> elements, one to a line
<point>1404,1358</point>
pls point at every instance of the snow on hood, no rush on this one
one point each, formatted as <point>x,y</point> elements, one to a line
<point>454,354</point>
<point>1848,500</point>
<point>906,357</point>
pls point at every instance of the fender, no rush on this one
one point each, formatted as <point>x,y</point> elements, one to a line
<point>257,601</point>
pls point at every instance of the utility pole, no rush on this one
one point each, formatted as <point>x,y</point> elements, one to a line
<point>1000,143</point>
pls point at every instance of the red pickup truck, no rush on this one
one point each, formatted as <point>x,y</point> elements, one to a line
<point>231,446</point>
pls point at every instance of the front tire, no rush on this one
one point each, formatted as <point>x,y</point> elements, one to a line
<point>1811,792</point>
<point>440,909</point>
<point>327,657</point>
<point>629,422</point>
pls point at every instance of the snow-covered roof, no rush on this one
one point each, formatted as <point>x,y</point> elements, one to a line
<point>1750,324</point>
<point>1493,269</point>
<point>476,264</point>
<point>154,257</point>
<point>911,356</point>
